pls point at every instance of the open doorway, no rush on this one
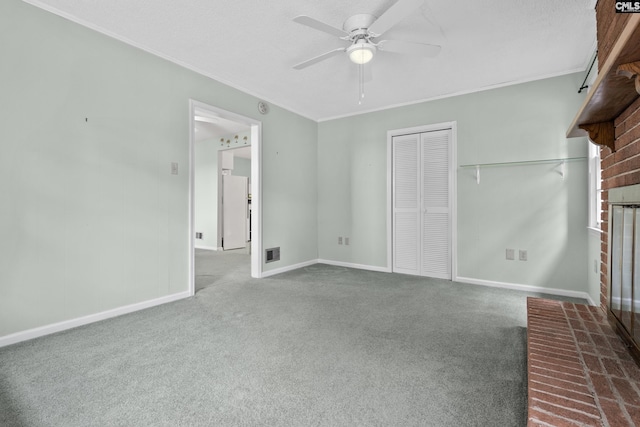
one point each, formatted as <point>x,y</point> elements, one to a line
<point>224,156</point>
<point>234,198</point>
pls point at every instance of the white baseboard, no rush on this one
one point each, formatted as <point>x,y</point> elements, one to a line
<point>357,266</point>
<point>527,288</point>
<point>73,323</point>
<point>207,248</point>
<point>288,268</point>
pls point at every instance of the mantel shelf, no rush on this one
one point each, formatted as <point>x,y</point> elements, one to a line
<point>613,91</point>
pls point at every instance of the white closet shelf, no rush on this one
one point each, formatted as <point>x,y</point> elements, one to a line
<point>562,162</point>
<point>524,162</point>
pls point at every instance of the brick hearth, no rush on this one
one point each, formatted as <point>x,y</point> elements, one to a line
<point>580,373</point>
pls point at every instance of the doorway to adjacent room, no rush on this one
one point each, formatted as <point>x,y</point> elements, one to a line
<point>224,149</point>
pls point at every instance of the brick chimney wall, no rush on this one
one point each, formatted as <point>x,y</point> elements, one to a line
<point>622,167</point>
<point>619,169</point>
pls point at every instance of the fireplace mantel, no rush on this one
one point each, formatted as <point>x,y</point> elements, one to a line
<point>616,87</point>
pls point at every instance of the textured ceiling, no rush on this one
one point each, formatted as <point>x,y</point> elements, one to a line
<point>252,45</point>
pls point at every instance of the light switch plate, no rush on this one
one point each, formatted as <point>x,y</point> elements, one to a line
<point>523,255</point>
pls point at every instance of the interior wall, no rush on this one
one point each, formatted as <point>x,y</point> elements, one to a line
<point>93,218</point>
<point>529,207</point>
<point>594,248</point>
<point>206,193</point>
<point>241,167</point>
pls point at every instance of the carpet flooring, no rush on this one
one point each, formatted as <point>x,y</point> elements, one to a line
<point>318,346</point>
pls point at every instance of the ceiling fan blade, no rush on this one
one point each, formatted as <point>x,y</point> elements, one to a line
<point>319,58</point>
<point>396,13</point>
<point>321,26</point>
<point>410,48</point>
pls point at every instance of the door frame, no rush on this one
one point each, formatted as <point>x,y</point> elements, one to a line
<point>453,188</point>
<point>256,186</point>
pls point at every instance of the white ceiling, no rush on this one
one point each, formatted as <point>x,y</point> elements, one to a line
<point>252,45</point>
<point>208,126</point>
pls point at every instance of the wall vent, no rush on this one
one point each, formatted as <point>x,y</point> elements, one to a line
<point>272,254</point>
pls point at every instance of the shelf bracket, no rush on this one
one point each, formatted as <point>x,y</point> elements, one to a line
<point>630,70</point>
<point>602,133</point>
<point>562,170</point>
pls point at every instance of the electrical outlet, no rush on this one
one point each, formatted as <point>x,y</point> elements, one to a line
<point>511,254</point>
<point>523,255</point>
<point>346,241</point>
<point>339,240</point>
<point>174,168</point>
<point>595,266</point>
<point>198,235</point>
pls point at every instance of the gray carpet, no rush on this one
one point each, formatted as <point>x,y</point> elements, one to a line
<point>319,346</point>
<point>219,267</point>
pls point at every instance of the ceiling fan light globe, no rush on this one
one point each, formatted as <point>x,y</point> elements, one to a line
<point>361,53</point>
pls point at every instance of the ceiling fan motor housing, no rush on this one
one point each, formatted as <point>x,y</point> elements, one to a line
<point>357,25</point>
<point>362,50</point>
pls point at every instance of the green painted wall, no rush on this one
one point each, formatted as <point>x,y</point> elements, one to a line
<point>206,192</point>
<point>521,207</point>
<point>92,219</point>
<point>241,167</point>
<point>593,265</point>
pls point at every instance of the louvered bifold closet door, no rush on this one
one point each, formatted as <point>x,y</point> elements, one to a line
<point>436,224</point>
<point>406,204</point>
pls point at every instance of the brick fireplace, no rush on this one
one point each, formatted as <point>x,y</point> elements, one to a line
<point>619,169</point>
<point>580,364</point>
<point>579,372</point>
<point>610,116</point>
<point>620,179</point>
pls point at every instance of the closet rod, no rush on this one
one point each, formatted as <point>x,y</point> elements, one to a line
<point>524,162</point>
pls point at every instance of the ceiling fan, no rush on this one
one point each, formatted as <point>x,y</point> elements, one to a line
<point>363,32</point>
